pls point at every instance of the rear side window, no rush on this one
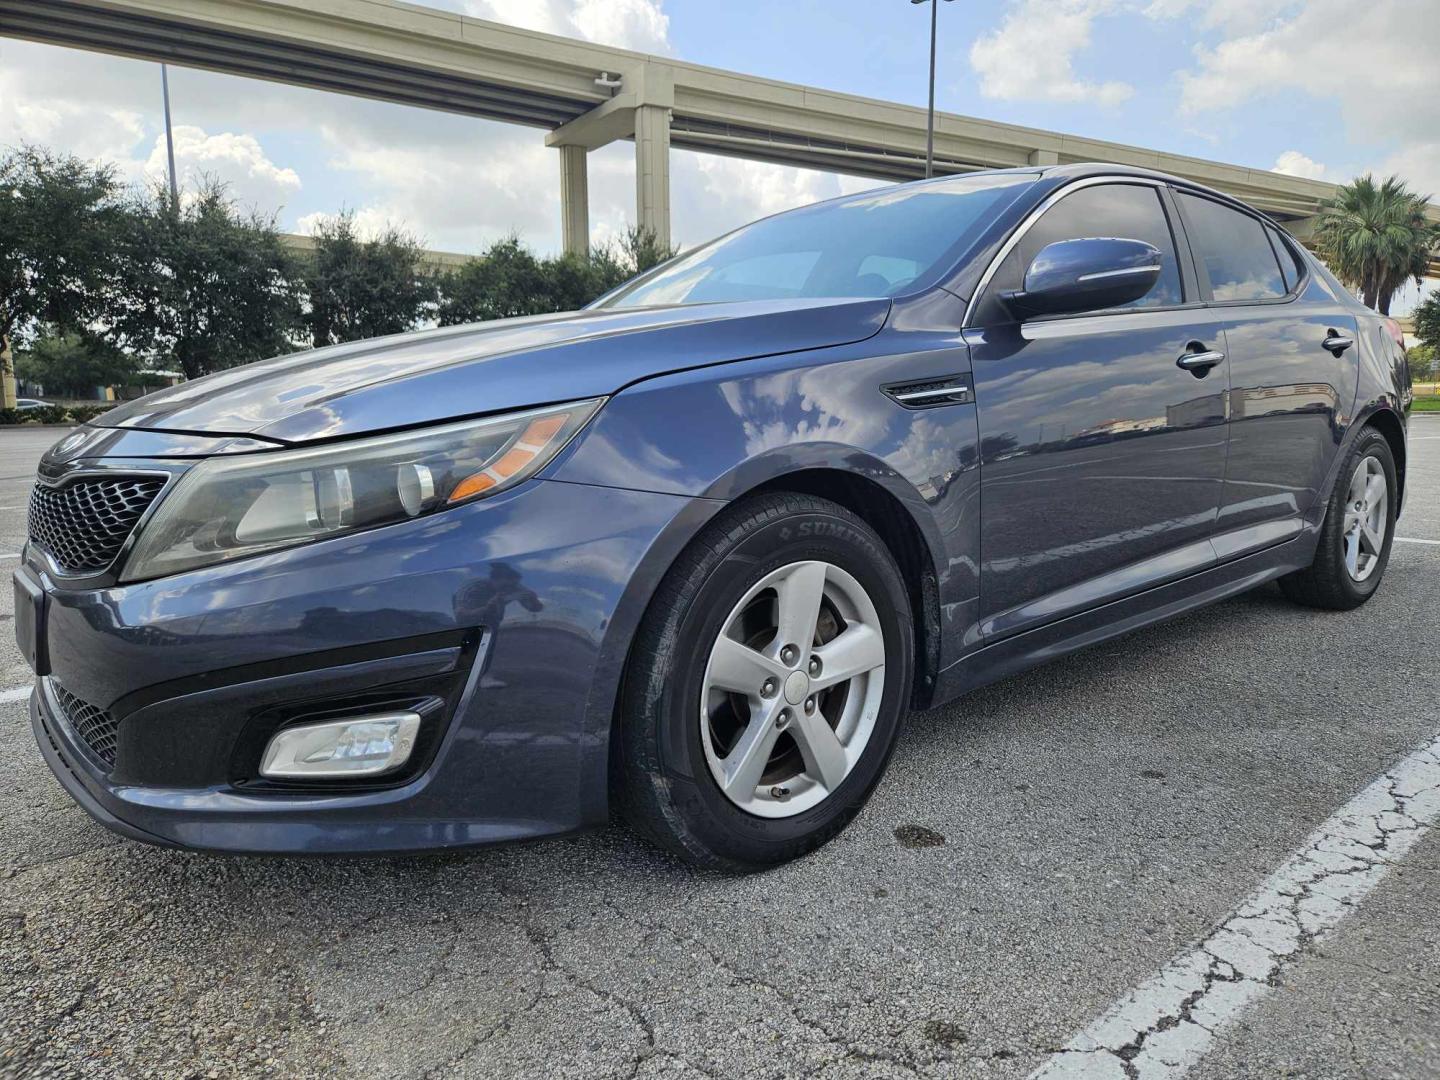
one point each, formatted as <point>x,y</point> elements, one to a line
<point>1127,211</point>
<point>1290,264</point>
<point>1233,249</point>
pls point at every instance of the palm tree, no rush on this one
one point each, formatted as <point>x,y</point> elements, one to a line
<point>1376,236</point>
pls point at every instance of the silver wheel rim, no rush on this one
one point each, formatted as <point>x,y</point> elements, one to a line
<point>792,689</point>
<point>1366,518</point>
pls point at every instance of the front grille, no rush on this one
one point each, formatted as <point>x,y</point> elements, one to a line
<point>83,524</point>
<point>95,727</point>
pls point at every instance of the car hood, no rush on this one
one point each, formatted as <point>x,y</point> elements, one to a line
<point>487,367</point>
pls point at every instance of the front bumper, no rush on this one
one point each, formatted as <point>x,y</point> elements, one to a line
<point>511,616</point>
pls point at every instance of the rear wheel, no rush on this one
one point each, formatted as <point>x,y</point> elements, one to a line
<point>1359,528</point>
<point>766,686</point>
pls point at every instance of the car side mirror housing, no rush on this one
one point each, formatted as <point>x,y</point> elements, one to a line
<point>1071,276</point>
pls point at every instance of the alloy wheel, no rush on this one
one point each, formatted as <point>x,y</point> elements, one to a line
<point>792,689</point>
<point>1366,518</point>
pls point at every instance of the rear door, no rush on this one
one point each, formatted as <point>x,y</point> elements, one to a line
<point>1292,371</point>
<point>1102,460</point>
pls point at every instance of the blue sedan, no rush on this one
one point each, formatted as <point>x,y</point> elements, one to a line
<point>694,552</point>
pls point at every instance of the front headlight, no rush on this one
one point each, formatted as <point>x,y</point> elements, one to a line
<point>231,507</point>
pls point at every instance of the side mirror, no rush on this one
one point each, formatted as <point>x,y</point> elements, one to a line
<point>1071,276</point>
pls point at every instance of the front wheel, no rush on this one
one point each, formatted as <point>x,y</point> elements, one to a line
<point>1359,528</point>
<point>766,685</point>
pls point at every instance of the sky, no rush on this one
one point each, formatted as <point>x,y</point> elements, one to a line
<point>1319,88</point>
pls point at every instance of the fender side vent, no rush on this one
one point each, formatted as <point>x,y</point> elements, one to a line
<point>932,393</point>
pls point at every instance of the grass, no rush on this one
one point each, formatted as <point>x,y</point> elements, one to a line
<point>1427,404</point>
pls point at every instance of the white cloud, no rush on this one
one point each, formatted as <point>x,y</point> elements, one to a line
<point>369,221</point>
<point>1235,16</point>
<point>1030,57</point>
<point>461,184</point>
<point>1294,163</point>
<point>238,160</point>
<point>457,183</point>
<point>90,127</point>
<point>1419,164</point>
<point>1409,297</point>
<point>1387,79</point>
<point>108,109</point>
<point>628,24</point>
<point>1385,82</point>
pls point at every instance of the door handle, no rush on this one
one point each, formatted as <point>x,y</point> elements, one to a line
<point>1337,342</point>
<point>1199,360</point>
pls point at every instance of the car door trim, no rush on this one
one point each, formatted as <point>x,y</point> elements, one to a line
<point>1094,592</point>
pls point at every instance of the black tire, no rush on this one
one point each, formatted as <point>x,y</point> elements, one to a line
<point>665,787</point>
<point>1326,583</point>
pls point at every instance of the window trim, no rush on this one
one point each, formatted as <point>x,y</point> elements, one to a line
<point>1295,250</point>
<point>1189,280</point>
<point>1207,290</point>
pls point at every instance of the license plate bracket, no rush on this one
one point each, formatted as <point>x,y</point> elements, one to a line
<point>30,612</point>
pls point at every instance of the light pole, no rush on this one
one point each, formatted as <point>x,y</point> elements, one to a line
<point>930,116</point>
<point>170,139</point>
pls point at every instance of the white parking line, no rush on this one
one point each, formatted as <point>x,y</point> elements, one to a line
<point>15,693</point>
<point>1166,1024</point>
<point>1415,540</point>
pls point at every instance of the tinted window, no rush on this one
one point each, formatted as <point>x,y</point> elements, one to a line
<point>784,274</point>
<point>1127,211</point>
<point>1290,264</point>
<point>1233,249</point>
<point>873,244</point>
<point>894,271</point>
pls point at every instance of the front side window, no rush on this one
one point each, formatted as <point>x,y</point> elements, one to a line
<point>1233,249</point>
<point>1124,211</point>
<point>879,243</point>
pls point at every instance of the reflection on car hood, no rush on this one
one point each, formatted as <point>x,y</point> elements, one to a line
<point>460,371</point>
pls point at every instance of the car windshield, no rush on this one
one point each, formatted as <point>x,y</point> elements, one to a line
<point>879,243</point>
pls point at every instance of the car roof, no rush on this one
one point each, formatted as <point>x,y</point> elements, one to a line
<point>1084,170</point>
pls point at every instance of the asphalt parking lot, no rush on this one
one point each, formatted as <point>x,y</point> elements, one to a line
<point>1037,851</point>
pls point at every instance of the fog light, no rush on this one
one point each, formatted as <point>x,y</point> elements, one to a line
<point>355,746</point>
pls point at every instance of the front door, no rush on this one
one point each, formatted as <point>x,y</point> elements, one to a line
<point>1102,460</point>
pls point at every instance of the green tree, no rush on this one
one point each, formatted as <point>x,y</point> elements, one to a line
<point>73,363</point>
<point>1422,363</point>
<point>640,250</point>
<point>204,285</point>
<point>1427,320</point>
<point>60,218</point>
<point>505,281</point>
<point>364,288</point>
<point>509,280</point>
<point>1376,236</point>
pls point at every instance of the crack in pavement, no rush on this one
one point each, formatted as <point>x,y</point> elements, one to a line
<point>499,1027</point>
<point>746,978</point>
<point>1167,1023</point>
<point>540,941</point>
<point>12,870</point>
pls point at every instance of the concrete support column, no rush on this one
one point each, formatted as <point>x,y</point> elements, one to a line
<point>574,200</point>
<point>1044,157</point>
<point>652,170</point>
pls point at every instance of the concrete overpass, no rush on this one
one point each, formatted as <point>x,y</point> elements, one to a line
<point>303,245</point>
<point>588,95</point>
